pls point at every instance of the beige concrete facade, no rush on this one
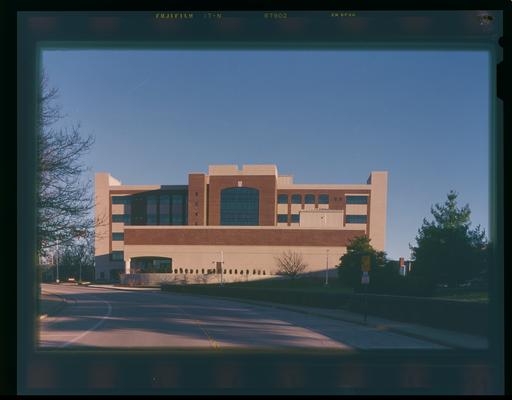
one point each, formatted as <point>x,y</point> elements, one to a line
<point>322,219</point>
<point>378,209</point>
<point>201,239</point>
<point>237,257</point>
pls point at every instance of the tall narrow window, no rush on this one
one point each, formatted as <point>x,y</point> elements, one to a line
<point>239,206</point>
<point>151,210</point>
<point>177,209</point>
<point>165,204</point>
<point>138,215</point>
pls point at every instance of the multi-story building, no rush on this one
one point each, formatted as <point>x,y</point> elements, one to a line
<point>246,217</point>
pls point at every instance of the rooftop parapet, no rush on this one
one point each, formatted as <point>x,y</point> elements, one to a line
<point>249,169</point>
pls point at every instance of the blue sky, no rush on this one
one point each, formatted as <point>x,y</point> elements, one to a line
<point>322,116</point>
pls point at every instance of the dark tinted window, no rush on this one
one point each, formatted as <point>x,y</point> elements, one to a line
<point>295,218</point>
<point>178,207</point>
<point>357,199</point>
<point>125,218</point>
<point>117,256</point>
<point>138,216</point>
<point>296,199</point>
<point>323,199</point>
<point>164,209</point>
<point>120,200</point>
<point>239,206</point>
<point>117,236</point>
<point>356,219</point>
<point>282,218</point>
<point>151,210</point>
<point>282,199</point>
<point>309,199</point>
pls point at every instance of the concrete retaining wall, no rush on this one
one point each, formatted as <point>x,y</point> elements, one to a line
<point>156,279</point>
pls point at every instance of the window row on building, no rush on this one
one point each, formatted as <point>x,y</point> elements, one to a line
<point>297,199</point>
<point>162,208</point>
<point>349,219</point>
<point>322,199</point>
<point>231,271</point>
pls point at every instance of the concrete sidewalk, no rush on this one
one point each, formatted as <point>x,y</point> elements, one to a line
<point>107,286</point>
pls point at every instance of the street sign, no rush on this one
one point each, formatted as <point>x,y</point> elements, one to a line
<point>365,279</point>
<point>365,264</point>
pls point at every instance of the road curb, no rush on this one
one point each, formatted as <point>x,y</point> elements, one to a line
<point>125,288</point>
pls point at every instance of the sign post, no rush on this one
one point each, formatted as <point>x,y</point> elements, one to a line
<point>365,281</point>
<point>222,268</point>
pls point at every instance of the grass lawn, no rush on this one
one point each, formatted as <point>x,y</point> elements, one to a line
<point>465,295</point>
<point>308,284</point>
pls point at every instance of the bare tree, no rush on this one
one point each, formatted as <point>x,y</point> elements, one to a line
<point>64,195</point>
<point>290,263</point>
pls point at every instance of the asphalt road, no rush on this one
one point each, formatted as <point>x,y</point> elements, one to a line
<point>131,319</point>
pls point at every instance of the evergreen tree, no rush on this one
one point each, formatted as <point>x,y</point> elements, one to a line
<point>447,250</point>
<point>349,269</point>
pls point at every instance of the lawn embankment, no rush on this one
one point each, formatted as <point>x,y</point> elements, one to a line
<point>464,316</point>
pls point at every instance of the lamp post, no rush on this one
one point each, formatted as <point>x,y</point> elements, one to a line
<point>327,256</point>
<point>327,268</point>
<point>79,234</point>
<point>222,267</point>
<point>57,258</point>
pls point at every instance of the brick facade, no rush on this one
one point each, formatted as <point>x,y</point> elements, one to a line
<point>240,237</point>
<point>266,184</point>
<point>197,195</point>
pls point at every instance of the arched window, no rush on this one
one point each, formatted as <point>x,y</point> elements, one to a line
<point>239,206</point>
